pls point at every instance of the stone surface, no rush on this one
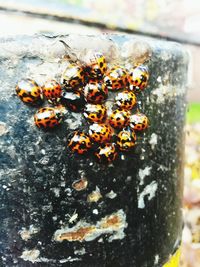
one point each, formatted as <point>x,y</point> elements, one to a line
<point>45,221</point>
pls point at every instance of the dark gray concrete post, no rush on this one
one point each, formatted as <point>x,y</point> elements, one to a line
<point>136,219</point>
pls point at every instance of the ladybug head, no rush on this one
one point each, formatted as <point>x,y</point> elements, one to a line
<point>96,72</point>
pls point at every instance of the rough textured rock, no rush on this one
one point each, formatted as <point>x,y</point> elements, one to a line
<point>136,218</point>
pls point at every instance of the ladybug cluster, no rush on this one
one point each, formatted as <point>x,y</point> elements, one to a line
<point>88,87</point>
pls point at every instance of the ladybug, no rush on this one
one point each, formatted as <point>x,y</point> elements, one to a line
<point>119,118</point>
<point>95,92</point>
<point>100,133</point>
<point>29,91</point>
<point>139,122</point>
<point>73,76</point>
<point>138,78</point>
<point>74,101</point>
<point>95,113</point>
<point>48,117</point>
<point>96,65</point>
<point>79,143</point>
<point>116,78</point>
<point>126,139</point>
<point>52,91</point>
<point>106,153</point>
<point>126,100</point>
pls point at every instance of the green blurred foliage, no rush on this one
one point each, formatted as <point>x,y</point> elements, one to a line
<point>193,114</point>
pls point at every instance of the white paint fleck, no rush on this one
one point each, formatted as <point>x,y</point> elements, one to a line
<point>44,160</point>
<point>128,178</point>
<point>68,191</point>
<point>159,79</point>
<point>62,184</point>
<point>143,173</point>
<point>47,208</point>
<point>56,191</point>
<point>94,196</point>
<point>30,255</point>
<point>162,168</point>
<point>43,152</point>
<point>142,157</point>
<point>55,218</point>
<point>111,194</point>
<point>148,191</point>
<point>156,260</point>
<point>69,259</point>
<point>122,157</point>
<point>73,217</point>
<point>80,252</point>
<point>153,140</point>
<point>95,211</point>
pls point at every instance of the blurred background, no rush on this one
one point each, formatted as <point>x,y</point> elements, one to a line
<point>175,20</point>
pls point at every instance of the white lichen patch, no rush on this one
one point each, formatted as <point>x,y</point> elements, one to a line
<point>113,224</point>
<point>143,173</point>
<point>148,191</point>
<point>164,92</point>
<point>3,128</point>
<point>30,255</point>
<point>153,141</point>
<point>26,234</point>
<point>74,123</point>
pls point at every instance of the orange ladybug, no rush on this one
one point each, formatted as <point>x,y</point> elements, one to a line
<point>126,100</point>
<point>95,92</point>
<point>95,113</point>
<point>126,139</point>
<point>106,153</point>
<point>139,122</point>
<point>119,118</point>
<point>100,133</point>
<point>29,91</point>
<point>52,91</point>
<point>138,78</point>
<point>73,77</point>
<point>96,65</point>
<point>73,100</point>
<point>116,78</point>
<point>48,117</point>
<point>79,143</point>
